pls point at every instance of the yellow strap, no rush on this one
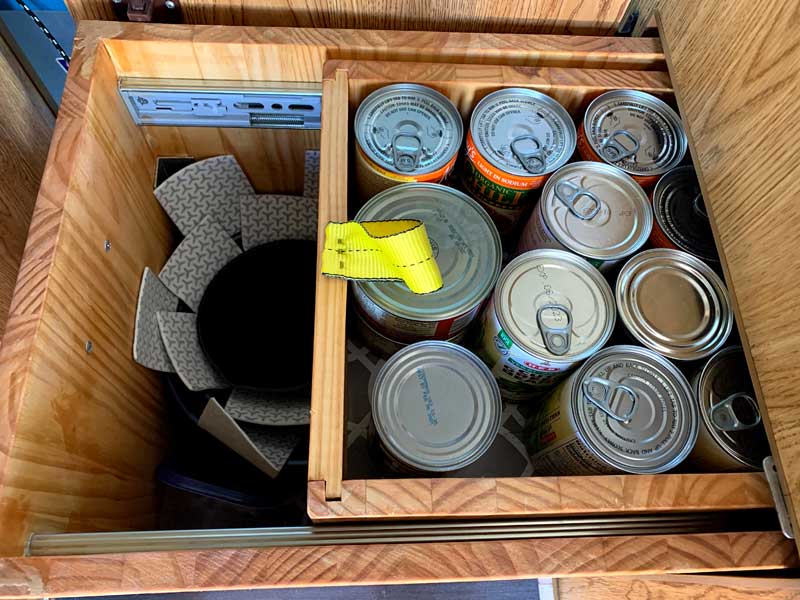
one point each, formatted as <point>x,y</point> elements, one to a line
<point>391,250</point>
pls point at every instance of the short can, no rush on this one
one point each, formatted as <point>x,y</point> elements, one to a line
<point>382,346</point>
<point>634,131</point>
<point>550,310</point>
<point>674,304</point>
<point>626,410</point>
<point>466,247</point>
<point>516,138</point>
<point>435,408</point>
<point>592,209</point>
<point>732,436</point>
<point>681,219</point>
<point>405,132</point>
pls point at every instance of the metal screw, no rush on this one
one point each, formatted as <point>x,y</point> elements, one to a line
<point>169,4</point>
<point>89,346</point>
<point>107,245</point>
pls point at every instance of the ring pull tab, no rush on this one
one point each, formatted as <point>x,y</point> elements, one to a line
<point>613,148</point>
<point>723,414</point>
<point>699,206</point>
<point>406,149</point>
<point>571,196</point>
<point>611,391</point>
<point>533,161</point>
<point>557,338</point>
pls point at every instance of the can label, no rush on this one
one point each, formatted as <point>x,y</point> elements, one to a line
<point>587,152</point>
<point>520,375</point>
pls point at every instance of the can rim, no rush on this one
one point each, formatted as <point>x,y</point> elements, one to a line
<point>678,379</point>
<point>490,426</point>
<point>550,102</point>
<point>611,171</point>
<point>709,342</point>
<point>655,104</point>
<point>448,107</point>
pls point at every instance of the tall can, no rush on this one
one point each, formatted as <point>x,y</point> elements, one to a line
<point>466,247</point>
<point>592,209</point>
<point>405,132</point>
<point>381,345</point>
<point>633,131</point>
<point>681,219</point>
<point>732,436</point>
<point>516,138</point>
<point>626,410</point>
<point>674,304</point>
<point>550,310</point>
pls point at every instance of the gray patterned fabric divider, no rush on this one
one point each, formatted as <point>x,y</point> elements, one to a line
<point>270,218</point>
<point>269,408</point>
<point>148,347</point>
<point>311,175</point>
<point>179,332</point>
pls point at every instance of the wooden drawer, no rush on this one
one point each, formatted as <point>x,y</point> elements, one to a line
<point>82,432</point>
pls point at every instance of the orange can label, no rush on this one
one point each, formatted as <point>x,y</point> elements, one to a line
<point>432,177</point>
<point>587,152</point>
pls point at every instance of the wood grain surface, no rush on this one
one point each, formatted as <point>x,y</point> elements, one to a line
<point>25,129</point>
<point>583,17</point>
<point>141,573</point>
<point>736,82</point>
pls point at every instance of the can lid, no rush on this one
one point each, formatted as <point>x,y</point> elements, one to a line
<point>408,128</point>
<point>729,408</point>
<point>596,210</point>
<point>635,131</point>
<point>634,409</point>
<point>436,406</point>
<point>523,132</point>
<point>674,303</point>
<point>681,214</point>
<point>554,305</point>
<point>465,243</point>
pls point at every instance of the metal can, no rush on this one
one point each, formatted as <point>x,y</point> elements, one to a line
<point>516,138</point>
<point>550,311</point>
<point>592,209</point>
<point>626,410</point>
<point>681,220</point>
<point>435,407</point>
<point>382,346</point>
<point>467,249</point>
<point>732,436</point>
<point>674,303</point>
<point>405,132</point>
<point>634,131</point>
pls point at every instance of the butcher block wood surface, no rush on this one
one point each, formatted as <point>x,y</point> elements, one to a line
<point>735,69</point>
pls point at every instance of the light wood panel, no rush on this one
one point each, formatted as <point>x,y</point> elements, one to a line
<point>390,563</point>
<point>741,104</point>
<point>584,17</point>
<point>25,131</point>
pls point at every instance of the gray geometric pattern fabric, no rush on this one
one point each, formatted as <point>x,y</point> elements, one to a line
<point>148,348</point>
<point>274,443</point>
<point>179,332</point>
<point>273,217</point>
<point>196,260</point>
<point>208,188</point>
<point>268,408</point>
<point>311,175</point>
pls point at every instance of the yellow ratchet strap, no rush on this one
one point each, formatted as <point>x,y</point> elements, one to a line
<point>382,250</point>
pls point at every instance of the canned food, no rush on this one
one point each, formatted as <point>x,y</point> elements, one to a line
<point>466,247</point>
<point>550,310</point>
<point>674,303</point>
<point>436,407</point>
<point>681,220</point>
<point>626,410</point>
<point>732,436</point>
<point>593,210</point>
<point>383,346</point>
<point>516,138</point>
<point>634,131</point>
<point>405,132</point>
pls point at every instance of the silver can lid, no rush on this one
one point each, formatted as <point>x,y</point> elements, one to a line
<point>408,128</point>
<point>555,305</point>
<point>523,132</point>
<point>596,210</point>
<point>674,303</point>
<point>634,409</point>
<point>635,131</point>
<point>436,406</point>
<point>681,214</point>
<point>465,244</point>
<point>729,408</point>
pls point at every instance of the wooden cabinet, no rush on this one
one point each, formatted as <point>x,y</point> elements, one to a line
<point>82,431</point>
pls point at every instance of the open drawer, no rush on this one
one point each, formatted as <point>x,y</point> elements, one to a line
<point>83,431</point>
